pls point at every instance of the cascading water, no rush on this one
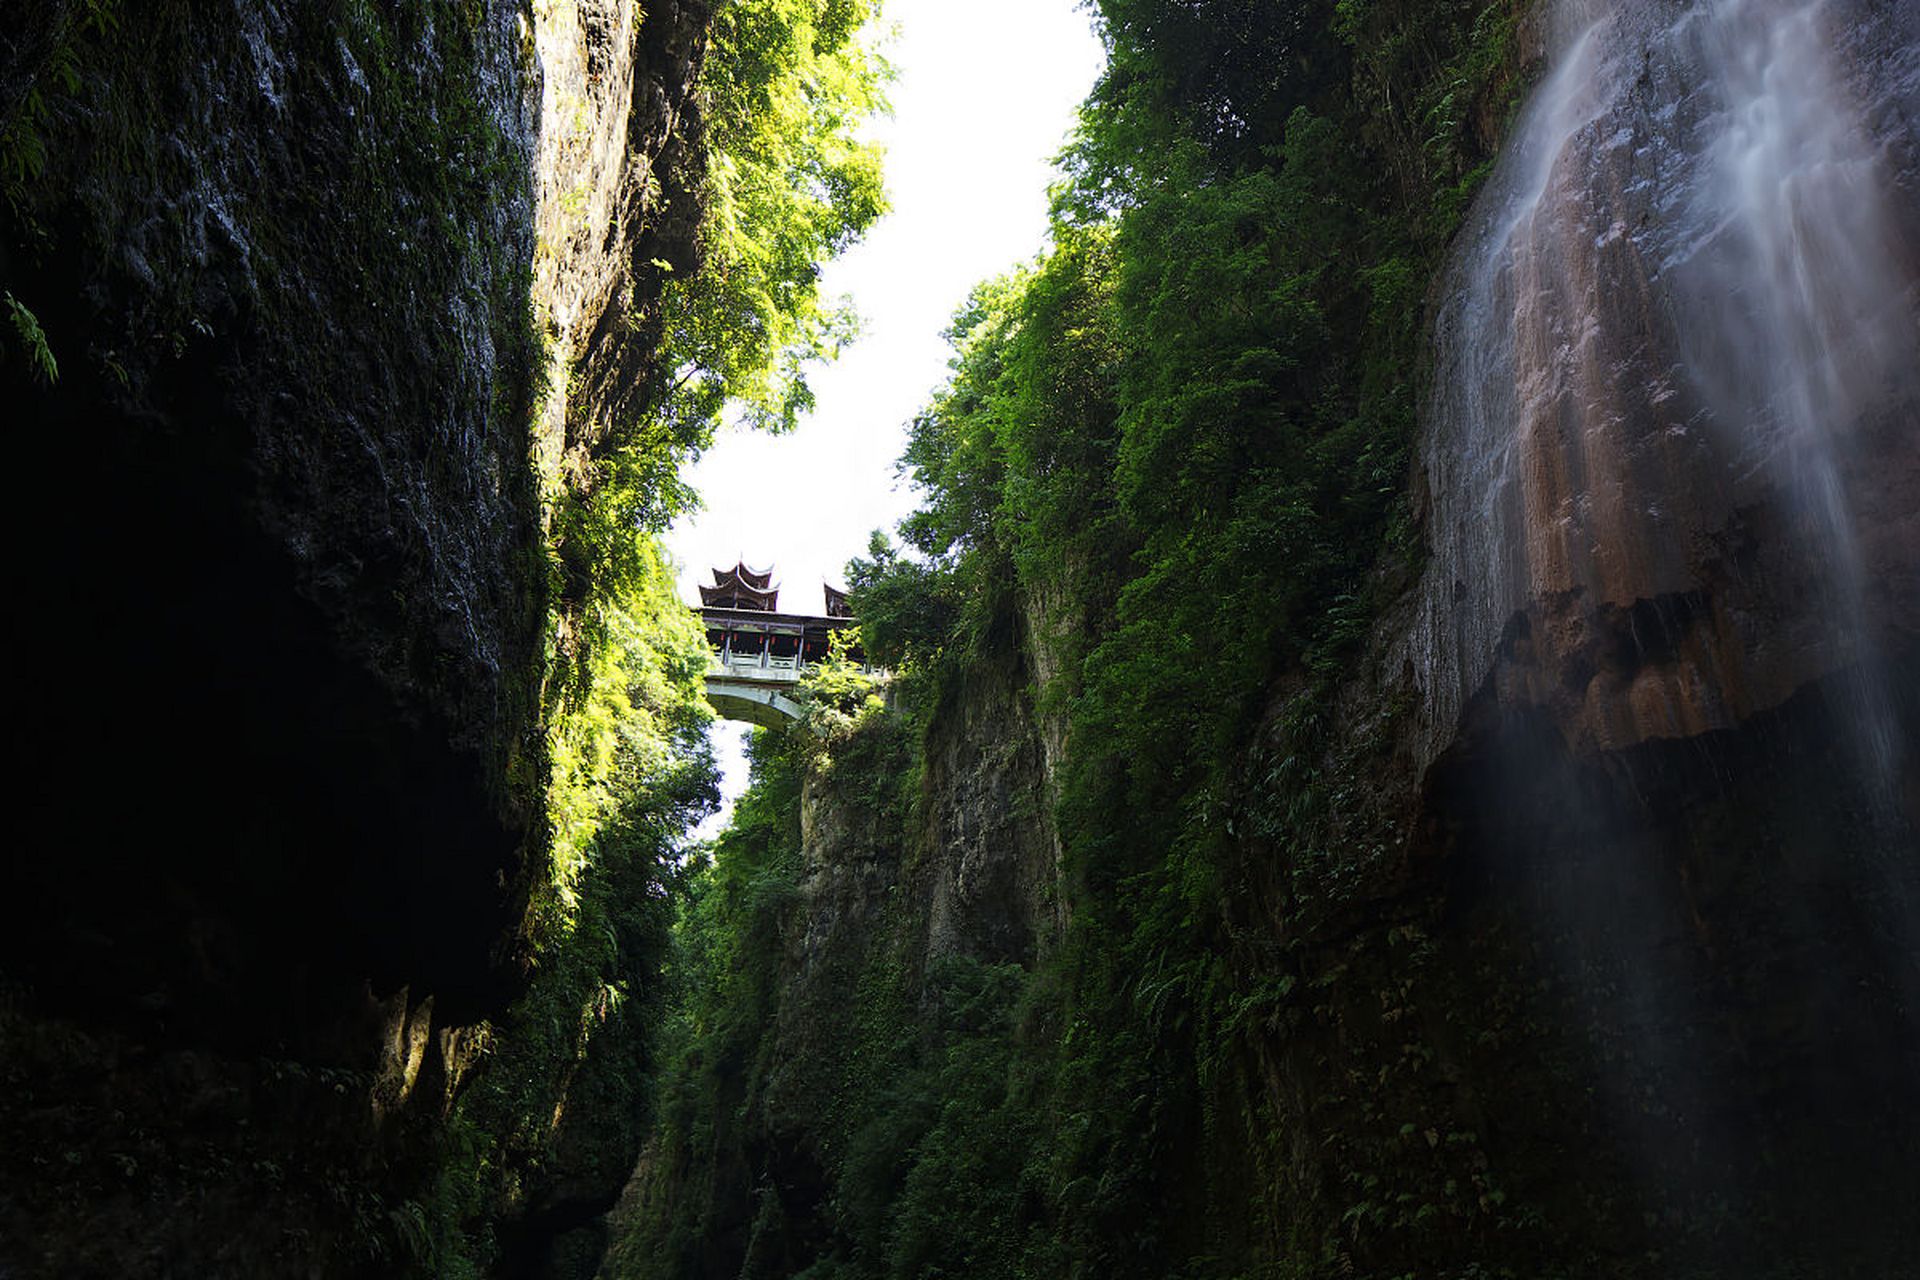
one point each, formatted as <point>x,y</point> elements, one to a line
<point>1802,316</point>
<point>1691,282</point>
<point>1672,462</point>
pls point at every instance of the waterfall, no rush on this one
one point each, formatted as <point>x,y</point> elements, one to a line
<point>1672,464</point>
<point>1689,286</point>
<point>1802,318</point>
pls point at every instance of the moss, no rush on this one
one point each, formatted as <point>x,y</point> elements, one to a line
<point>303,416</point>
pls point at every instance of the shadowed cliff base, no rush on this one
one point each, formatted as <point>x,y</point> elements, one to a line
<point>353,350</point>
<point>1718,932</point>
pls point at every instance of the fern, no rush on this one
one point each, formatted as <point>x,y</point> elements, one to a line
<point>34,339</point>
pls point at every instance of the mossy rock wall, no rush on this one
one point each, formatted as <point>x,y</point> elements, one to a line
<point>285,580</point>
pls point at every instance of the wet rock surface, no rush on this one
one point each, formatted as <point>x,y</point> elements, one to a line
<point>1662,663</point>
<point>281,750</point>
<point>1667,464</point>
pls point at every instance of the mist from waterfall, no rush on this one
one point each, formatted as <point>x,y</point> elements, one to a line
<point>1686,296</point>
<point>1684,282</point>
<point>1802,319</point>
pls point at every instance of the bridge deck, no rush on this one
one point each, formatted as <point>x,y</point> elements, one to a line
<point>759,656</point>
<point>759,668</point>
<point>757,687</point>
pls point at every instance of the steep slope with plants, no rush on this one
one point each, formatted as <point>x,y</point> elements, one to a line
<point>1159,485</point>
<point>845,970</point>
<point>357,348</point>
<point>1413,890</point>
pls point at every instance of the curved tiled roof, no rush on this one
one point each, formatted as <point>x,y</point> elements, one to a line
<point>758,579</point>
<point>742,588</point>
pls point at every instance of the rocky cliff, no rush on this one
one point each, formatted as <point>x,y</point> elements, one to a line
<point>1556,917</point>
<point>1664,646</point>
<point>304,284</point>
<point>890,873</point>
<point>1667,445</point>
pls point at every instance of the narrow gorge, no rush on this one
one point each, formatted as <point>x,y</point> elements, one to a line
<point>1388,746</point>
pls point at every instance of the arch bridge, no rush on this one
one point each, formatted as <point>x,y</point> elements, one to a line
<point>760,654</point>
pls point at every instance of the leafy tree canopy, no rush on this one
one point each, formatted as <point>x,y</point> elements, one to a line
<point>786,86</point>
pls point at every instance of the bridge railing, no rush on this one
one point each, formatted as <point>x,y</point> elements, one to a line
<point>765,667</point>
<point>760,666</point>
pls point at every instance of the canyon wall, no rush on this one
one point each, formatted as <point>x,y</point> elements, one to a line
<point>883,900</point>
<point>1658,677</point>
<point>317,280</point>
<point>1565,922</point>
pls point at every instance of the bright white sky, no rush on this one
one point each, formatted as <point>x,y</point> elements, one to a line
<point>985,96</point>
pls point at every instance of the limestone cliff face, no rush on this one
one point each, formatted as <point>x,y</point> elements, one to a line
<point>967,868</point>
<point>915,857</point>
<point>1668,468</point>
<point>1640,773</point>
<point>283,549</point>
<point>617,216</point>
<point>289,431</point>
<point>992,877</point>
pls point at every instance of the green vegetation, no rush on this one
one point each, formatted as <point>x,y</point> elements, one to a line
<point>345,233</point>
<point>1185,431</point>
<point>23,154</point>
<point>23,149</point>
<point>779,186</point>
<point>730,1070</point>
<point>1169,466</point>
<point>566,1078</point>
<point>33,341</point>
<point>787,186</point>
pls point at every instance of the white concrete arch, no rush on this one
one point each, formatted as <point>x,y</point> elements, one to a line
<point>752,702</point>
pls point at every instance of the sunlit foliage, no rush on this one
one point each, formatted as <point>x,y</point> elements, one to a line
<point>788,185</point>
<point>782,184</point>
<point>1171,457</point>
